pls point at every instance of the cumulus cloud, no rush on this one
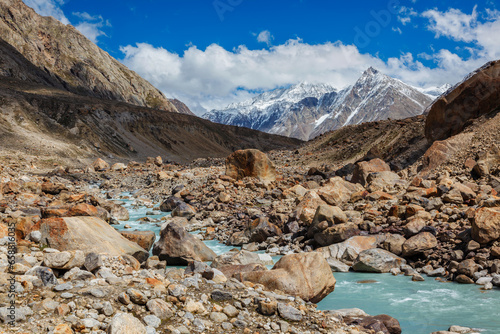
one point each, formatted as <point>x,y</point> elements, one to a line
<point>91,25</point>
<point>215,77</point>
<point>265,37</point>
<point>468,28</point>
<point>48,8</point>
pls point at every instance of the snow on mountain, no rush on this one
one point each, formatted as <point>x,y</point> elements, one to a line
<point>435,92</point>
<point>307,110</point>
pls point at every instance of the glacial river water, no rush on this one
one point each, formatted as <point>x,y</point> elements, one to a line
<point>420,307</point>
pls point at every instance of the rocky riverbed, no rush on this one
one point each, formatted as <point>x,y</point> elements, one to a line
<point>73,272</point>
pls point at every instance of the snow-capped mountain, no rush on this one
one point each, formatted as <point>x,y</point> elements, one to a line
<point>305,111</point>
<point>435,92</point>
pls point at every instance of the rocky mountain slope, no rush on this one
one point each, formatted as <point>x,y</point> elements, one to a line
<point>72,61</point>
<point>307,113</point>
<point>45,121</point>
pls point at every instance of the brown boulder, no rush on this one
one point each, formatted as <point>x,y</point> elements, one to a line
<point>487,161</point>
<point>251,162</point>
<point>145,239</point>
<point>478,95</point>
<point>178,247</point>
<point>306,275</point>
<point>88,234</point>
<point>442,151</point>
<point>231,270</point>
<point>53,188</point>
<point>100,165</point>
<point>83,209</point>
<point>338,191</point>
<point>336,233</point>
<point>306,209</point>
<point>261,229</point>
<point>419,243</point>
<point>486,225</point>
<point>364,168</point>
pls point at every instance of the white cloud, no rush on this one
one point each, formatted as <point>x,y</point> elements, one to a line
<point>406,14</point>
<point>468,28</point>
<point>265,37</point>
<point>215,77</point>
<point>397,29</point>
<point>48,8</point>
<point>91,26</point>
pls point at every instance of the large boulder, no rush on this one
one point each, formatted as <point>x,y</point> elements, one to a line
<point>478,95</point>
<point>326,216</point>
<point>253,163</point>
<point>419,243</point>
<point>364,168</point>
<point>178,247</point>
<point>336,234</point>
<point>338,191</point>
<point>100,165</point>
<point>486,225</point>
<point>88,234</point>
<point>261,229</point>
<point>306,275</point>
<point>377,261</point>
<point>307,207</point>
<point>383,181</point>
<point>349,250</point>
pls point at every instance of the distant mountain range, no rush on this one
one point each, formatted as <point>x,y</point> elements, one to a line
<point>305,110</point>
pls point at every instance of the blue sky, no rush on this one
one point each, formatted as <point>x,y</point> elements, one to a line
<point>210,53</point>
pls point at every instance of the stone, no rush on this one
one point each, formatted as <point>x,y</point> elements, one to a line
<point>93,262</point>
<point>53,188</point>
<point>218,317</point>
<point>307,207</point>
<point>336,234</point>
<point>347,251</point>
<point>289,313</point>
<point>419,243</point>
<point>125,323</point>
<point>306,275</point>
<point>487,160</point>
<point>100,165</point>
<point>160,308</point>
<point>486,225</point>
<point>64,260</point>
<point>137,297</point>
<point>468,267</point>
<point>413,227</point>
<point>152,321</point>
<point>219,295</point>
<point>377,261</point>
<point>63,329</point>
<point>120,213</point>
<point>326,213</point>
<point>261,229</point>
<point>250,163</point>
<point>144,239</point>
<point>476,96</point>
<point>183,209</point>
<point>364,168</point>
<point>267,307</point>
<point>394,243</point>
<point>83,209</point>
<point>338,191</point>
<point>36,236</point>
<point>236,257</point>
<point>87,234</point>
<point>170,203</point>
<point>46,275</point>
<point>178,247</point>
<point>463,279</point>
<point>118,167</point>
<point>383,181</point>
<point>230,311</point>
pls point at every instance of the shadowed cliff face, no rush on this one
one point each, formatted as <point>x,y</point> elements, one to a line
<point>72,61</point>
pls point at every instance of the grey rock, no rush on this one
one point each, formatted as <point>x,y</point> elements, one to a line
<point>125,323</point>
<point>218,295</point>
<point>159,308</point>
<point>93,262</point>
<point>289,313</point>
<point>218,317</point>
<point>152,321</point>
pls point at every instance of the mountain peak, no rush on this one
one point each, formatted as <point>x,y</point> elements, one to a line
<point>371,71</point>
